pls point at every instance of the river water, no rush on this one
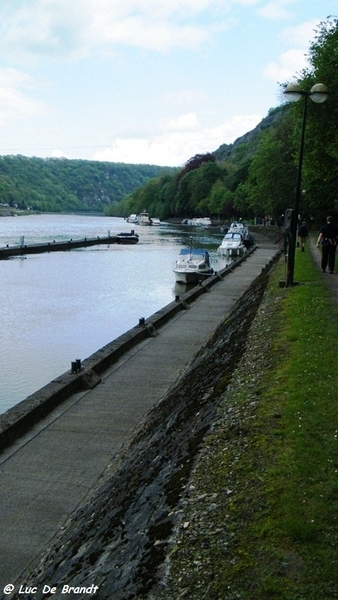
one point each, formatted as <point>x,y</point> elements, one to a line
<point>59,307</point>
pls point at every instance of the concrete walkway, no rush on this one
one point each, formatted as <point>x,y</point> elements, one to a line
<point>47,473</point>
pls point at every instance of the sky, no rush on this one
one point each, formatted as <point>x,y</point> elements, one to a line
<point>145,81</point>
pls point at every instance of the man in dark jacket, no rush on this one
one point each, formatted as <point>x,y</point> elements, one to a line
<point>328,238</point>
<point>303,234</point>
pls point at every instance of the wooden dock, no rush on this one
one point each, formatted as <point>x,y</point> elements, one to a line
<point>58,246</point>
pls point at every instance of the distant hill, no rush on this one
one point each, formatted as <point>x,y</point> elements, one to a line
<point>246,145</point>
<point>58,185</point>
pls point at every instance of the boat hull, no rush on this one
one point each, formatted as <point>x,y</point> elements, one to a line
<point>191,276</point>
<point>132,219</point>
<point>227,251</point>
<point>127,238</point>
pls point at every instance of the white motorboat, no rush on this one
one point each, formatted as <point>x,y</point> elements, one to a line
<point>144,218</point>
<point>133,218</point>
<point>198,222</point>
<point>155,221</point>
<point>238,227</point>
<point>232,244</point>
<point>192,265</point>
<point>205,222</point>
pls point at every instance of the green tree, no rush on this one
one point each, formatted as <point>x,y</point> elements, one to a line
<point>269,188</point>
<point>320,166</point>
<point>220,200</point>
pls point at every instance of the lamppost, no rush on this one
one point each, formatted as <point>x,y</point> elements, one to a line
<point>294,92</point>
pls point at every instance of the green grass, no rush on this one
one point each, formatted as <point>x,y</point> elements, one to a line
<point>301,484</point>
<point>282,462</point>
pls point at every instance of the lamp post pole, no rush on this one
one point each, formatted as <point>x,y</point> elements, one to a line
<point>294,92</point>
<point>294,220</point>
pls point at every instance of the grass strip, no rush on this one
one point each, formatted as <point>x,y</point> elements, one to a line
<point>295,437</point>
<point>261,520</point>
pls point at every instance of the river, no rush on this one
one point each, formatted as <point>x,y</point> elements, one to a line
<point>59,307</point>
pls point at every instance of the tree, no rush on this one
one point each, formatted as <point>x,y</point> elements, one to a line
<point>194,188</point>
<point>320,166</point>
<point>219,200</point>
<point>269,187</point>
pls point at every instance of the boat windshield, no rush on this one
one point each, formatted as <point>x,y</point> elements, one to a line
<point>194,252</point>
<point>232,236</point>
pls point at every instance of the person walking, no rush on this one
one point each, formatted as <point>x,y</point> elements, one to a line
<point>328,238</point>
<point>303,234</point>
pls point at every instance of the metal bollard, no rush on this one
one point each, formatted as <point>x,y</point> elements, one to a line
<point>76,366</point>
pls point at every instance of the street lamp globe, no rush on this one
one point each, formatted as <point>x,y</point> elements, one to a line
<point>319,93</point>
<point>293,92</point>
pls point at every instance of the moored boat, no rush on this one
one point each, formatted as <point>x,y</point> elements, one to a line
<point>127,238</point>
<point>205,222</point>
<point>133,218</point>
<point>198,222</point>
<point>232,244</point>
<point>192,265</point>
<point>144,218</point>
<point>239,227</point>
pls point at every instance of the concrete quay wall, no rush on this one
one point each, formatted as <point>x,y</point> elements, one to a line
<point>20,418</point>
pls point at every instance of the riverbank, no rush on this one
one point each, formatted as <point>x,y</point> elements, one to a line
<point>249,512</point>
<point>259,516</point>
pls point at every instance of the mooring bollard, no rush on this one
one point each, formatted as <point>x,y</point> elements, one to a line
<point>141,322</point>
<point>76,366</point>
<point>177,298</point>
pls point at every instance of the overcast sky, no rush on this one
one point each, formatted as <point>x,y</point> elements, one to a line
<point>145,81</point>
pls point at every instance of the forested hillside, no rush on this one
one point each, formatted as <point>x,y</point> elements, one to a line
<point>56,185</point>
<point>257,175</point>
